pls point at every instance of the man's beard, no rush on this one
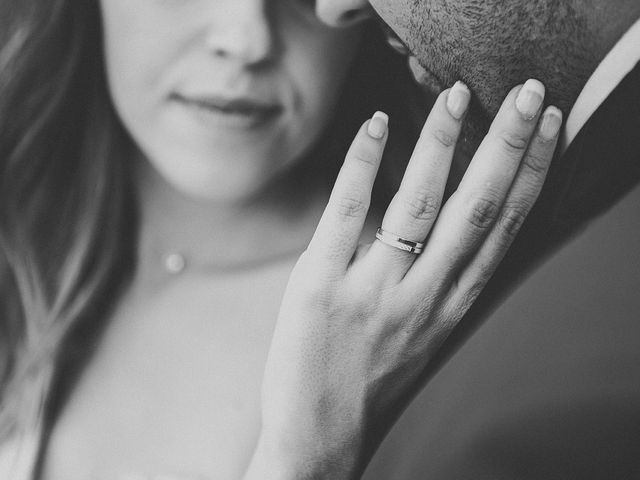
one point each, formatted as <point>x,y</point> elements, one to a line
<point>476,124</point>
<point>475,127</point>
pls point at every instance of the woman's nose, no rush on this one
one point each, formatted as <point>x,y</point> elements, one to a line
<point>247,39</point>
<point>342,13</point>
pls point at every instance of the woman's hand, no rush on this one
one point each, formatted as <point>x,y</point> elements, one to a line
<point>358,325</point>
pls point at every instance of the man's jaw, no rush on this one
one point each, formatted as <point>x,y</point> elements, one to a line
<point>477,122</point>
<point>428,80</point>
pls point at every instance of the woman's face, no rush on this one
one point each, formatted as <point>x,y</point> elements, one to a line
<point>223,95</point>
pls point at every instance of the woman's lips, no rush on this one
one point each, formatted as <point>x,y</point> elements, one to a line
<point>236,112</point>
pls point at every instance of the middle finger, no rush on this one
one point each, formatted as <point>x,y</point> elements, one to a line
<point>415,206</point>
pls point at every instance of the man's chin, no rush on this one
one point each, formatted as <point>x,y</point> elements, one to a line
<point>476,124</point>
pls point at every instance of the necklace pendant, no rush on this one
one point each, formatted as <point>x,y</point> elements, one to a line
<point>134,476</point>
<point>157,477</point>
<point>175,263</point>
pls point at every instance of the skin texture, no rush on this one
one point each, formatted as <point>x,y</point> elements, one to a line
<point>358,325</point>
<point>493,45</point>
<point>277,53</point>
<point>482,43</point>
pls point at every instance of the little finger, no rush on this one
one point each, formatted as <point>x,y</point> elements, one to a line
<point>521,198</point>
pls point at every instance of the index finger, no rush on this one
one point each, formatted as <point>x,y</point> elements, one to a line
<point>338,233</point>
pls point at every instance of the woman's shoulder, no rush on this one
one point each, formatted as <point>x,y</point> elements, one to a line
<point>17,457</point>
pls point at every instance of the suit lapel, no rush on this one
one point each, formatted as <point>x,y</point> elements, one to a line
<point>601,165</point>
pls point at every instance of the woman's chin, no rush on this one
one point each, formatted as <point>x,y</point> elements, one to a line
<point>220,187</point>
<point>208,176</point>
<point>217,194</point>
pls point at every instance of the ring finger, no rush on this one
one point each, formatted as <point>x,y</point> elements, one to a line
<point>414,208</point>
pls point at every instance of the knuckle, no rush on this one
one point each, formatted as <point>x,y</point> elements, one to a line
<point>513,216</point>
<point>421,205</point>
<point>537,163</point>
<point>513,142</point>
<point>364,301</point>
<point>425,311</point>
<point>482,212</point>
<point>443,138</point>
<point>352,206</point>
<point>313,289</point>
<point>364,156</point>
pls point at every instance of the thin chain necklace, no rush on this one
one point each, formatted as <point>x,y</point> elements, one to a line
<point>161,476</point>
<point>176,262</point>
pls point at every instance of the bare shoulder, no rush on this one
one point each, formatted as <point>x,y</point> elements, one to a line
<point>17,457</point>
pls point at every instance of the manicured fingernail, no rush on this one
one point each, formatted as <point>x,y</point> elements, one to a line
<point>378,125</point>
<point>458,100</point>
<point>530,99</point>
<point>551,123</point>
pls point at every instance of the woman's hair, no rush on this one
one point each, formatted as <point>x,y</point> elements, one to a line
<point>67,208</point>
<point>64,200</point>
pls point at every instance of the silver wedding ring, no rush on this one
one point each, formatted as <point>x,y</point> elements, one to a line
<point>399,242</point>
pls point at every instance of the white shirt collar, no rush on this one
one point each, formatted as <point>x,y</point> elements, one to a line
<point>622,58</point>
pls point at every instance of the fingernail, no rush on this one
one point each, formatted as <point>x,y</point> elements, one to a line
<point>458,100</point>
<point>378,125</point>
<point>551,123</point>
<point>530,99</point>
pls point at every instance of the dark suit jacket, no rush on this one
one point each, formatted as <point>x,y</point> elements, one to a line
<point>549,386</point>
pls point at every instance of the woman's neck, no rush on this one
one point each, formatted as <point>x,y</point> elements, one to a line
<point>216,236</point>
